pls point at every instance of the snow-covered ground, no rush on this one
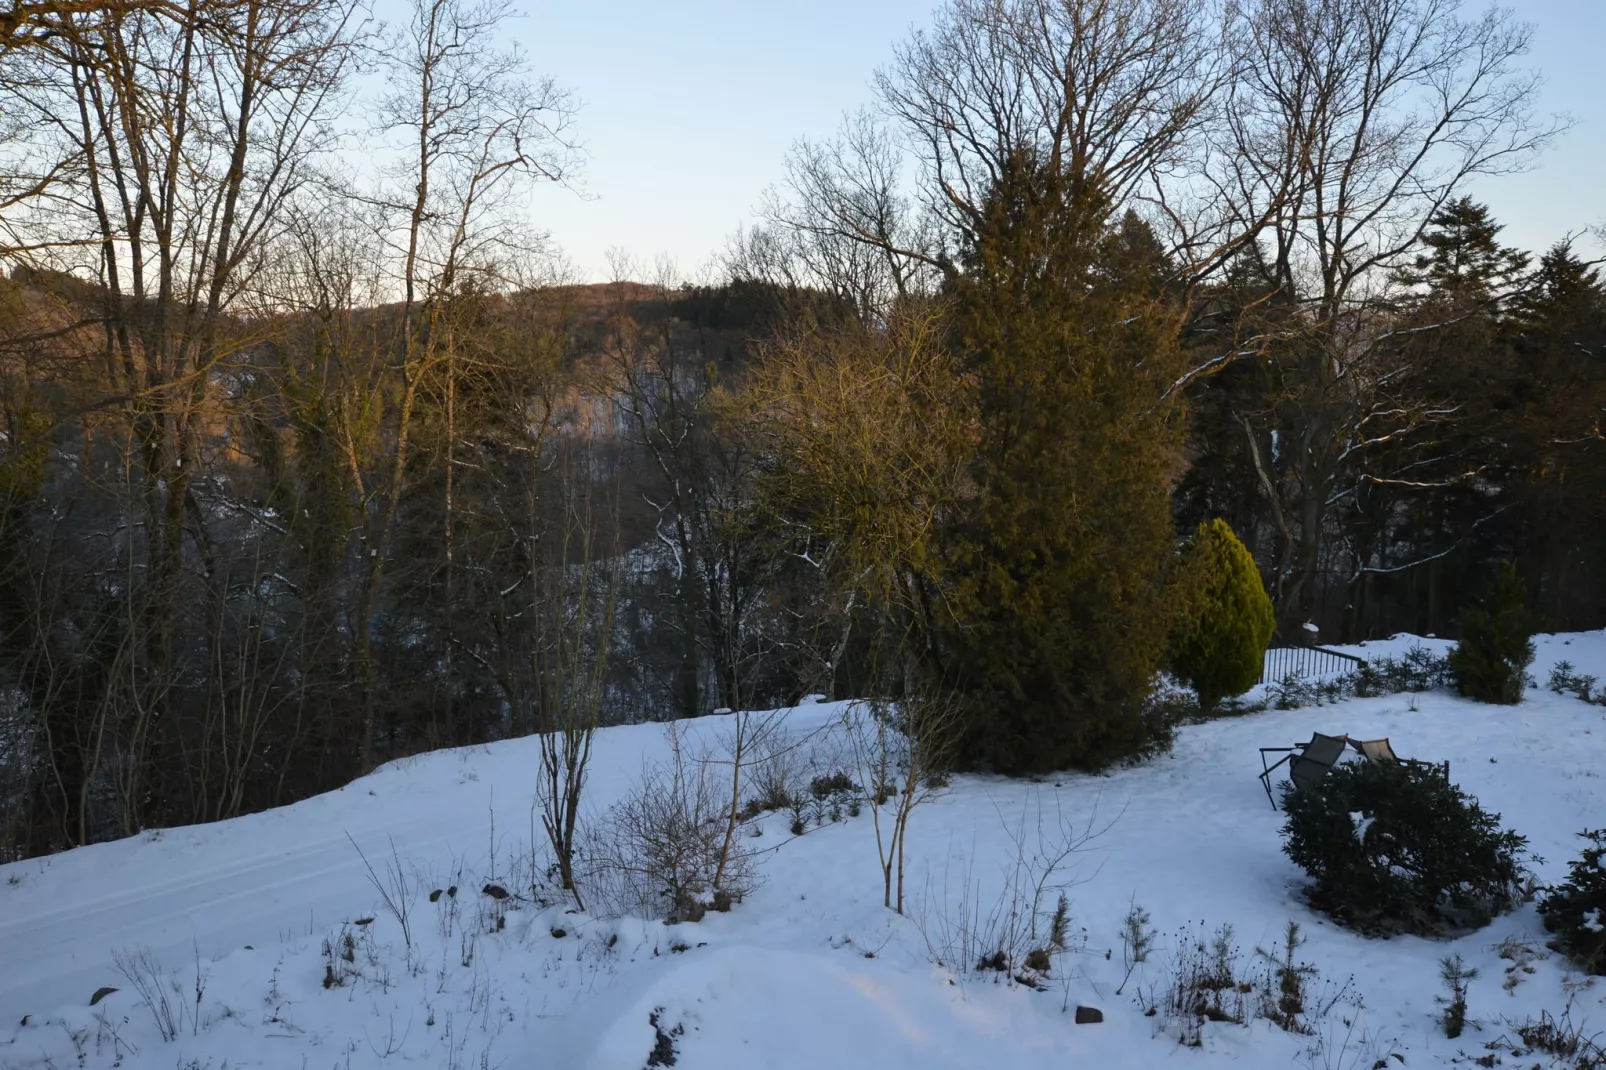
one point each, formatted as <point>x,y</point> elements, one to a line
<point>810,971</point>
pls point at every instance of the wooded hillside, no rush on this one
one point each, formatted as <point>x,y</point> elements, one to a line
<point>306,466</point>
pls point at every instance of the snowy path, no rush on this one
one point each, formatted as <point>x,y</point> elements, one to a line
<point>257,880</point>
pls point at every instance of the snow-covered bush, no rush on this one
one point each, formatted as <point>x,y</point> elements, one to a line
<point>1396,847</point>
<point>833,784</point>
<point>1170,704</point>
<point>1575,910</point>
<point>1491,660</point>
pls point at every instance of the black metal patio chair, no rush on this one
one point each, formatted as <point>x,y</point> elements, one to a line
<point>1307,762</point>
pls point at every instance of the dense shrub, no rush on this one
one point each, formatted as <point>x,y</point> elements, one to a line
<point>835,783</point>
<point>1220,649</point>
<point>1576,909</point>
<point>1395,847</point>
<point>1491,660</point>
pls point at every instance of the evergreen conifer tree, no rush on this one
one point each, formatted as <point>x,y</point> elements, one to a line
<point>1491,660</point>
<point>1564,294</point>
<point>1464,261</point>
<point>1058,566</point>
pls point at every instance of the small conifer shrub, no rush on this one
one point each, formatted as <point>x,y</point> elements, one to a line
<point>1575,910</point>
<point>1490,663</point>
<point>1396,847</point>
<point>1221,647</point>
<point>1457,977</point>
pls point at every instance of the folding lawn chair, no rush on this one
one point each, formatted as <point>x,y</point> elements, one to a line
<point>1307,762</point>
<point>1379,750</point>
<point>1375,750</point>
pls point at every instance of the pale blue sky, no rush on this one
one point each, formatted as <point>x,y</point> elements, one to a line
<point>690,106</point>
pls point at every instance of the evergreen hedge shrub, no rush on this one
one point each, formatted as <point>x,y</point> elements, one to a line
<point>1396,847</point>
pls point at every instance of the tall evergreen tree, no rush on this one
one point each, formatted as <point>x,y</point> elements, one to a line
<point>1557,440</point>
<point>1563,297</point>
<point>1426,528</point>
<point>1462,258</point>
<point>1058,566</point>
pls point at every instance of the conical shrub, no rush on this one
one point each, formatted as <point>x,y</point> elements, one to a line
<point>1221,643</point>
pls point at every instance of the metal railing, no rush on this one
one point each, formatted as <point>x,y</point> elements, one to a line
<point>1306,661</point>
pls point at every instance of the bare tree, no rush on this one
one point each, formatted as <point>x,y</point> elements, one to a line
<point>667,387</point>
<point>1349,126</point>
<point>1111,93</point>
<point>569,665</point>
<point>36,22</point>
<point>868,433</point>
<point>753,734</point>
<point>180,133</point>
<point>245,422</point>
<point>1103,91</point>
<point>473,128</point>
<point>842,223</point>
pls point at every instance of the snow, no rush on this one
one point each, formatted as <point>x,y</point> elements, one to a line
<point>810,970</point>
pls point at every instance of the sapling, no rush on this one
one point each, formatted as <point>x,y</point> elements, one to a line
<point>900,749</point>
<point>1290,977</point>
<point>1059,928</point>
<point>1137,940</point>
<point>1456,975</point>
<point>799,825</point>
<point>394,888</point>
<point>570,663</point>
